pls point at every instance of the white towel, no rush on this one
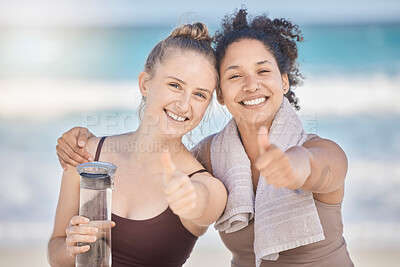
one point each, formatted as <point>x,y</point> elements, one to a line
<point>284,218</point>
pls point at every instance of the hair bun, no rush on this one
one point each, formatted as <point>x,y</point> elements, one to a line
<point>197,31</point>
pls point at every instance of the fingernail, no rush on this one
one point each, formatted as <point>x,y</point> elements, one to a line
<point>95,230</point>
<point>90,159</point>
<point>65,168</point>
<point>93,238</point>
<point>86,220</point>
<point>81,143</point>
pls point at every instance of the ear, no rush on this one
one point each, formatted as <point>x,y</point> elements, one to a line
<point>143,79</point>
<point>285,83</point>
<point>220,98</point>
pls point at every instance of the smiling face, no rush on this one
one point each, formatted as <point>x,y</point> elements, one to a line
<point>252,86</point>
<point>178,92</point>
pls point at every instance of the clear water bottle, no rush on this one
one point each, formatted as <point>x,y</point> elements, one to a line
<point>95,203</point>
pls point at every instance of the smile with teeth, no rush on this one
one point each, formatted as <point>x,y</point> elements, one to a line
<point>254,102</point>
<point>175,117</point>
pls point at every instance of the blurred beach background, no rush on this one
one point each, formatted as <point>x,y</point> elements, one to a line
<point>75,63</point>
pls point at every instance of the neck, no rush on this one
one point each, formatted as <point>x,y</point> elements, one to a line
<point>148,141</point>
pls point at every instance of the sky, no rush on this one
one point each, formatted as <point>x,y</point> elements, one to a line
<point>102,13</point>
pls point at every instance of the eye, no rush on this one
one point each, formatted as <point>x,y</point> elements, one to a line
<point>175,85</point>
<point>234,76</point>
<point>263,71</point>
<point>201,95</point>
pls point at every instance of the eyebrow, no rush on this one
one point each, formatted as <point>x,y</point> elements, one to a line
<point>263,62</point>
<point>231,68</point>
<point>205,90</point>
<point>237,66</point>
<point>179,80</point>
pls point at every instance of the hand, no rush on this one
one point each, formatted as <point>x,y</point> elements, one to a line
<point>179,190</point>
<point>71,147</point>
<point>276,166</point>
<point>80,229</point>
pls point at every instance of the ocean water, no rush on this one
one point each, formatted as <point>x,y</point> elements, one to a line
<point>52,80</point>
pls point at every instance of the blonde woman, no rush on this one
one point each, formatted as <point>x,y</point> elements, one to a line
<point>159,209</point>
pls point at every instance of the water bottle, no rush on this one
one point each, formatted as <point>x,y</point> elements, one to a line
<point>95,204</point>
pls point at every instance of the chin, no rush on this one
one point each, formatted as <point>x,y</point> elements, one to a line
<point>256,120</point>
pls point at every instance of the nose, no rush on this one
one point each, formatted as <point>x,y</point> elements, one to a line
<point>183,103</point>
<point>250,84</point>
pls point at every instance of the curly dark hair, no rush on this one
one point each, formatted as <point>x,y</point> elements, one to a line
<point>278,35</point>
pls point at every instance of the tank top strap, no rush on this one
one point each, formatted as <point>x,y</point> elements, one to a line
<point>198,171</point>
<point>99,146</point>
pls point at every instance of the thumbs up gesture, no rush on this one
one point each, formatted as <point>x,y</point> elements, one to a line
<point>276,166</point>
<point>179,190</point>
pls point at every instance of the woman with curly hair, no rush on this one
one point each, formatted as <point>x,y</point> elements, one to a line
<point>285,187</point>
<point>295,180</point>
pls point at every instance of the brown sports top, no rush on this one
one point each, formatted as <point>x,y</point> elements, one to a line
<point>159,241</point>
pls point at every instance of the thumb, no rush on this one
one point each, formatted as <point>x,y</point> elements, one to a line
<point>169,167</point>
<point>83,136</point>
<point>262,138</point>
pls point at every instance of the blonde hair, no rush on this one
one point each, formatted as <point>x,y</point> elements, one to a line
<point>197,31</point>
<point>189,37</point>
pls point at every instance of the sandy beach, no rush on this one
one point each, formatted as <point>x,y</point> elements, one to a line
<point>201,257</point>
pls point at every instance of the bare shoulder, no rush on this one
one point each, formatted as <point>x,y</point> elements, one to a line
<point>111,144</point>
<point>328,148</point>
<point>315,140</point>
<point>91,144</point>
<point>311,136</point>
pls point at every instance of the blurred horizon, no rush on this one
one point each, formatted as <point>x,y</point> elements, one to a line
<point>125,13</point>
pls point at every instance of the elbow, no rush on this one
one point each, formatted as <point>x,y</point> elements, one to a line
<point>51,251</point>
<point>56,255</point>
<point>50,258</point>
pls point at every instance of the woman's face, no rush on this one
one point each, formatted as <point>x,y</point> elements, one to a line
<point>178,93</point>
<point>251,84</point>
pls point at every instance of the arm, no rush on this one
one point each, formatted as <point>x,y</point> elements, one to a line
<point>328,170</point>
<point>211,199</point>
<point>199,200</point>
<point>71,147</point>
<point>68,227</point>
<point>319,166</point>
<point>68,206</point>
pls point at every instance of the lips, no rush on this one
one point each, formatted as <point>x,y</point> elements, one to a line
<point>176,117</point>
<point>254,101</point>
